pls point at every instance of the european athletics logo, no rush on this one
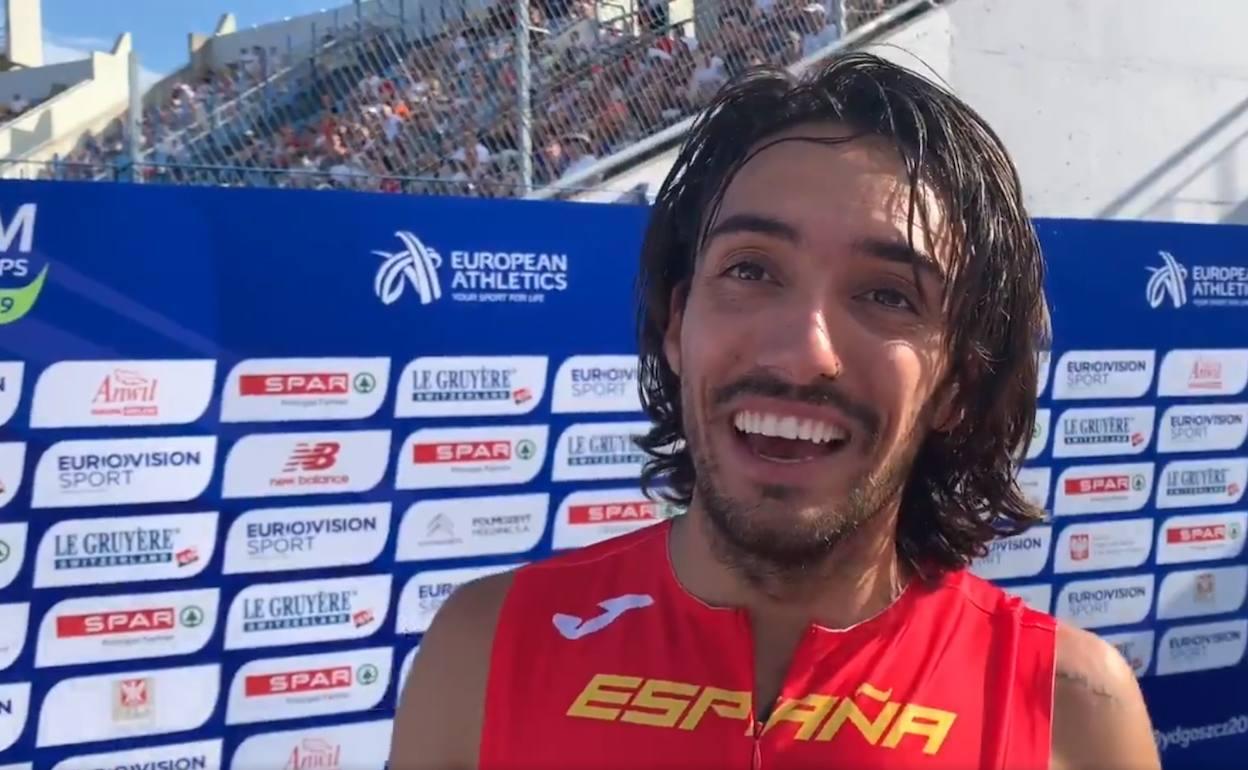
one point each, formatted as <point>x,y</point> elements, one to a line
<point>416,264</point>
<point>1169,280</point>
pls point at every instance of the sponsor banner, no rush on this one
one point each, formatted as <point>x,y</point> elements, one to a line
<point>290,389</point>
<point>1103,545</point>
<point>1104,432</point>
<point>198,755</point>
<point>319,463</point>
<point>1016,556</point>
<point>306,537</point>
<point>604,450</point>
<point>1136,648</point>
<point>107,628</point>
<point>471,386</point>
<point>1034,483</point>
<point>326,747</point>
<point>1210,591</point>
<point>1084,374</point>
<point>22,766</point>
<point>434,458</point>
<point>12,466</point>
<point>127,549</point>
<point>1044,361</point>
<point>14,711</point>
<point>404,670</point>
<point>12,552</point>
<point>1039,434</point>
<point>1196,483</point>
<point>14,619</point>
<point>589,384</point>
<point>94,394</point>
<point>1117,601</point>
<point>1203,428</point>
<point>1092,489</point>
<point>305,611</point>
<point>10,388</point>
<point>592,515</point>
<point>1202,647</point>
<point>1038,596</point>
<point>309,685</point>
<point>130,704</point>
<point>78,473</point>
<point>1201,537</point>
<point>472,526</point>
<point>426,592</point>
<point>1203,373</point>
<point>1176,284</point>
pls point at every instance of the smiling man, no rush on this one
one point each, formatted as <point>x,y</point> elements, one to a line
<point>841,303</point>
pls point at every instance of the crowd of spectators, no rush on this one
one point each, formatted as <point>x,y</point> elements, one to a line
<point>377,111</point>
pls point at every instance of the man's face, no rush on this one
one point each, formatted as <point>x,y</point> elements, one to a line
<point>810,344</point>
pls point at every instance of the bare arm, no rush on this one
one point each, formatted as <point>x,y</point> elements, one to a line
<point>1099,718</point>
<point>438,723</point>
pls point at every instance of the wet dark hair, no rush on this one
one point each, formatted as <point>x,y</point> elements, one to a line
<point>962,491</point>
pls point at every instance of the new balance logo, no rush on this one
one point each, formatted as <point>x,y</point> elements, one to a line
<point>416,264</point>
<point>1167,281</point>
<point>572,627</point>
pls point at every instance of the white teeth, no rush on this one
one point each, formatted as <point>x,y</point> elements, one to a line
<point>787,426</point>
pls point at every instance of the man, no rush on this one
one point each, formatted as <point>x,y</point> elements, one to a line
<point>841,306</point>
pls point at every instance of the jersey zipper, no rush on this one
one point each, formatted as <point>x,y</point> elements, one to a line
<point>757,762</point>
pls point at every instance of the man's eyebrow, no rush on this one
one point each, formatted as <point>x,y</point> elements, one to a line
<point>759,224</point>
<point>897,251</point>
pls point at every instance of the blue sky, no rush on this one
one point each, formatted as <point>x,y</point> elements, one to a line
<point>159,27</point>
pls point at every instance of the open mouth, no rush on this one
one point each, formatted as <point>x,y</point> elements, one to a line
<point>788,439</point>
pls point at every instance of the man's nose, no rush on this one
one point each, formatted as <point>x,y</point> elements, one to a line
<point>802,346</point>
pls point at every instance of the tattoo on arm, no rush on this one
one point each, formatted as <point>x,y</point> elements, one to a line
<point>1096,688</point>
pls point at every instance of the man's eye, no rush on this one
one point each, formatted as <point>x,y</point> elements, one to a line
<point>747,271</point>
<point>891,298</point>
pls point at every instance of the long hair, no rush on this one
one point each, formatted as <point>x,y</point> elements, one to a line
<point>962,491</point>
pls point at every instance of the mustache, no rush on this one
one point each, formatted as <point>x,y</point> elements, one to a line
<point>816,394</point>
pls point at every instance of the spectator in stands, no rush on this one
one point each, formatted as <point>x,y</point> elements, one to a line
<point>816,30</point>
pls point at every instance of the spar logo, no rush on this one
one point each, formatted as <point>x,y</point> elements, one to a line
<point>471,386</point>
<point>308,611</point>
<point>334,747</point>
<point>426,592</point>
<point>1116,601</point>
<point>1176,285</point>
<point>306,537</point>
<point>1089,489</point>
<point>1136,648</point>
<point>1201,537</point>
<point>1086,374</point>
<point>199,755</point>
<point>278,464</point>
<point>288,389</point>
<point>1016,556</point>
<point>471,275</point>
<point>309,685</point>
<point>1203,428</point>
<point>1203,373</point>
<point>22,273</point>
<point>590,451</point>
<point>14,710</point>
<point>1193,483</point>
<point>1122,544</point>
<point>596,384</point>
<point>90,394</point>
<point>461,457</point>
<point>1202,592</point>
<point>125,549</point>
<point>123,471</point>
<point>1104,432</point>
<point>591,516</point>
<point>472,526</point>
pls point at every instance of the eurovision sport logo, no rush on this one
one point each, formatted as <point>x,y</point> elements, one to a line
<point>471,386</point>
<point>306,537</point>
<point>1017,556</point>
<point>1203,428</point>
<point>426,592</point>
<point>23,270</point>
<point>1202,647</point>
<point>291,389</point>
<point>1088,374</point>
<point>196,755</point>
<point>89,394</point>
<point>81,473</point>
<point>1117,601</point>
<point>596,384</point>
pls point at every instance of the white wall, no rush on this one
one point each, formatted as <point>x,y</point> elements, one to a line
<point>36,83</point>
<point>24,40</point>
<point>1112,109</point>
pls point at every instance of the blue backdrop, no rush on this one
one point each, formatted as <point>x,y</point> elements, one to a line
<point>332,372</point>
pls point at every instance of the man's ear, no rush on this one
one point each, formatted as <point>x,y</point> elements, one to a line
<point>675,315</point>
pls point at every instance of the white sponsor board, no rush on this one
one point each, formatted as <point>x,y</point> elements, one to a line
<point>312,463</point>
<point>1038,596</point>
<point>1044,366</point>
<point>1199,483</point>
<point>298,612</point>
<point>306,537</point>
<point>1040,433</point>
<point>290,389</point>
<point>104,707</point>
<point>125,549</point>
<point>12,469</point>
<point>99,629</point>
<point>1117,601</point>
<point>82,473</point>
<point>1034,483</point>
<point>404,670</point>
<point>1103,545</point>
<point>1203,428</point>
<point>426,592</point>
<point>14,711</point>
<point>1086,374</point>
<point>1136,648</point>
<point>197,755</point>
<point>471,386</point>
<point>12,552</point>
<point>10,388</point>
<point>1016,556</point>
<point>596,384</point>
<point>472,526</point>
<point>590,516</point>
<point>363,745</point>
<point>1203,373</point>
<point>89,394</point>
<point>602,450</point>
<point>1201,537</point>
<point>434,458</point>
<point>1202,647</point>
<point>14,620</point>
<point>309,685</point>
<point>1093,489</point>
<point>1104,431</point>
<point>1209,591</point>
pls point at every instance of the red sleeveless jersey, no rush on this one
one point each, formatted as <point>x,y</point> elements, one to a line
<point>601,659</point>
